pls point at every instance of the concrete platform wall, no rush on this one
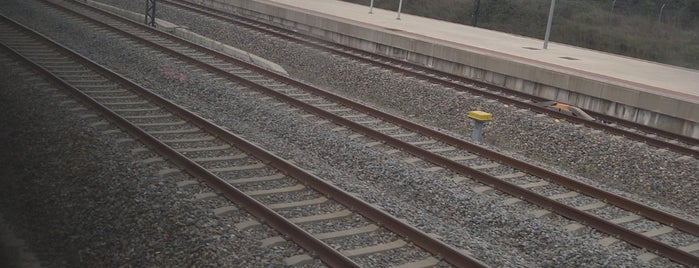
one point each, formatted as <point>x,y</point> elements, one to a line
<point>623,101</point>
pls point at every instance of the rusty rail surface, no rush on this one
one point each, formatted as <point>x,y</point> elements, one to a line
<point>445,79</point>
<point>326,253</point>
<point>557,207</point>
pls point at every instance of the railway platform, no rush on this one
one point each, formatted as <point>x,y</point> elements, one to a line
<point>658,95</point>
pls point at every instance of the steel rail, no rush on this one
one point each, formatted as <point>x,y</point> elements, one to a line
<point>440,249</point>
<point>616,200</point>
<point>395,65</point>
<point>619,201</point>
<point>580,216</point>
<point>517,191</point>
<point>329,255</point>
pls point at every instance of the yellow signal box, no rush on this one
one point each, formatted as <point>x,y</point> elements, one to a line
<point>480,115</point>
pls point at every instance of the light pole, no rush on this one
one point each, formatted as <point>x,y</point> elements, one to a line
<point>400,5</point>
<point>371,7</point>
<point>548,25</point>
<point>474,15</point>
<point>660,15</point>
<point>611,13</point>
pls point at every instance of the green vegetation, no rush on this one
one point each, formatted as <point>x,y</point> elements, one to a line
<point>635,28</point>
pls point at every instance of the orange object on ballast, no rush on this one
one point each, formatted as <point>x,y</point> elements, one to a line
<point>562,106</point>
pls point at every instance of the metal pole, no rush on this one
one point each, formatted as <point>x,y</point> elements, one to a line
<point>153,22</point>
<point>150,13</point>
<point>477,131</point>
<point>371,7</point>
<point>548,25</point>
<point>146,18</point>
<point>611,13</point>
<point>400,5</point>
<point>474,15</point>
<point>660,15</point>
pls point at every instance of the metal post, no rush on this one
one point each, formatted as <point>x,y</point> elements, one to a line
<point>150,13</point>
<point>400,5</point>
<point>371,7</point>
<point>477,131</point>
<point>611,13</point>
<point>660,15</point>
<point>474,14</point>
<point>548,25</point>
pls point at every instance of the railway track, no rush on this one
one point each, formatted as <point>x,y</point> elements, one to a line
<point>218,157</point>
<point>639,132</point>
<point>441,152</point>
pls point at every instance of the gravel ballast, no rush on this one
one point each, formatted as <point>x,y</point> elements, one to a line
<point>499,235</point>
<point>78,199</point>
<point>613,162</point>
